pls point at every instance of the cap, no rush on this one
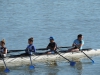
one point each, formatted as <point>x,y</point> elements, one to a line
<point>51,38</point>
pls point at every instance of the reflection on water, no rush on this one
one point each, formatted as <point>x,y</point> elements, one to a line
<point>63,19</point>
<point>2,68</point>
<point>52,68</point>
<point>79,67</point>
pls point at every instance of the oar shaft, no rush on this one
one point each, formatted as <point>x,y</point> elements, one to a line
<point>3,59</point>
<point>36,49</point>
<point>4,62</point>
<point>65,47</point>
<point>62,56</point>
<point>30,59</point>
<point>87,56</point>
<point>6,70</point>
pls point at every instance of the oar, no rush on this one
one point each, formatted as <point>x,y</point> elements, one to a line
<point>45,49</point>
<point>72,63</point>
<point>31,66</point>
<point>36,49</point>
<point>24,50</point>
<point>6,70</point>
<point>87,56</point>
<point>65,47</point>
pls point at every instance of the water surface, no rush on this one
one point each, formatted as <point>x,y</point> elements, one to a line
<point>62,19</point>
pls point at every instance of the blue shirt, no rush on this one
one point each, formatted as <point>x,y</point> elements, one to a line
<point>78,42</point>
<point>30,49</point>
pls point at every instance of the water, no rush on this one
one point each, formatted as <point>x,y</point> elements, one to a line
<point>63,19</point>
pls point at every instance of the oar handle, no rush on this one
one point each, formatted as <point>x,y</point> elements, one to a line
<point>42,49</point>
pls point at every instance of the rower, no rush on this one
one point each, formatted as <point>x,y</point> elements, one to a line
<point>30,48</point>
<point>3,49</point>
<point>52,46</point>
<point>77,44</point>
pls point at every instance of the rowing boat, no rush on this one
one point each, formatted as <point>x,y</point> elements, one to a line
<point>14,60</point>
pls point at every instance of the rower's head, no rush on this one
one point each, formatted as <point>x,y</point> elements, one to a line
<point>51,39</point>
<point>30,40</point>
<point>2,43</point>
<point>80,37</point>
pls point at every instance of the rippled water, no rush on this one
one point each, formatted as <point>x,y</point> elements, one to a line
<point>63,19</point>
<point>83,67</point>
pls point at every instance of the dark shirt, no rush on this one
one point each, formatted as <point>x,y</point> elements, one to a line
<point>2,49</point>
<point>52,45</point>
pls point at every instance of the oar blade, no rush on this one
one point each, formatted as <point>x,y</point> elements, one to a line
<point>32,67</point>
<point>92,61</point>
<point>72,63</point>
<point>6,70</point>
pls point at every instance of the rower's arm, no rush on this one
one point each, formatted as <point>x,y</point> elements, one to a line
<point>33,49</point>
<point>5,51</point>
<point>54,48</point>
<point>80,45</point>
<point>73,45</point>
<point>48,47</point>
